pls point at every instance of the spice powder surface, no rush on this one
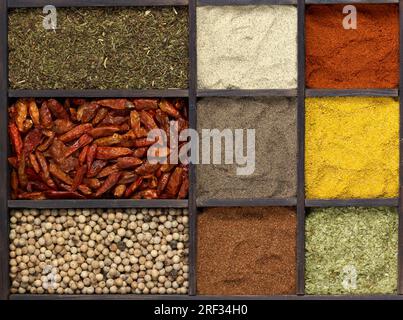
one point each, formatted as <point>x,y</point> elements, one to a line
<point>275,162</point>
<point>365,57</point>
<point>99,48</point>
<point>352,147</point>
<point>351,251</point>
<point>247,47</point>
<point>246,251</point>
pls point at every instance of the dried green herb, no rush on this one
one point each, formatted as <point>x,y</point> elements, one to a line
<point>99,48</point>
<point>351,251</point>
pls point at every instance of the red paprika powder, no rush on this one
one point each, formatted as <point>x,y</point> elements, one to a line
<point>365,57</point>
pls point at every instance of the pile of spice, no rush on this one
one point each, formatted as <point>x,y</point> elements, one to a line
<point>352,147</point>
<point>351,251</point>
<point>94,148</point>
<point>274,161</point>
<point>247,47</point>
<point>95,251</point>
<point>246,251</point>
<point>365,57</point>
<point>99,48</point>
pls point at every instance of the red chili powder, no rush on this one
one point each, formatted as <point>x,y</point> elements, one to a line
<point>366,57</point>
<point>246,251</point>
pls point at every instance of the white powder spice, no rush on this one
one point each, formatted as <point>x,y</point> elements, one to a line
<point>247,47</point>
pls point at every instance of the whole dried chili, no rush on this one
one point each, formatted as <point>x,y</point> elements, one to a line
<point>78,148</point>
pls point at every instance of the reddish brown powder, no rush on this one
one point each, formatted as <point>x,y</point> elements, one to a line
<point>246,251</point>
<point>367,57</point>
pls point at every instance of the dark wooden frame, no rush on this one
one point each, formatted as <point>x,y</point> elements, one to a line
<point>192,93</point>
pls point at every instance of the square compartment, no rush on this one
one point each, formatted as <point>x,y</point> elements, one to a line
<point>351,251</point>
<point>246,251</point>
<point>247,47</point>
<point>365,57</point>
<point>352,148</point>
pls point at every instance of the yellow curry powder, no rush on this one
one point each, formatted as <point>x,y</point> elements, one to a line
<point>352,147</point>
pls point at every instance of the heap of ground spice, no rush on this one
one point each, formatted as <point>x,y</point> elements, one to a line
<point>274,122</point>
<point>352,147</point>
<point>246,251</point>
<point>99,48</point>
<point>351,251</point>
<point>365,57</point>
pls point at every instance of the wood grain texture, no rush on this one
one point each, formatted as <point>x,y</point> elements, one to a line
<point>4,221</point>
<point>192,168</point>
<point>247,93</point>
<point>322,203</point>
<point>169,93</point>
<point>99,203</point>
<point>93,3</point>
<point>352,92</point>
<point>246,202</point>
<point>301,151</point>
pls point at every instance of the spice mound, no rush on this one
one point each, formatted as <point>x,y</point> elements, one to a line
<point>351,251</point>
<point>246,251</point>
<point>364,57</point>
<point>352,147</point>
<point>95,251</point>
<point>78,148</point>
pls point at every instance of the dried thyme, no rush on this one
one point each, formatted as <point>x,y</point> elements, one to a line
<point>112,48</point>
<point>351,251</point>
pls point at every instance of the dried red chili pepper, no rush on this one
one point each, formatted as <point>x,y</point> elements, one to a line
<point>147,168</point>
<point>45,116</point>
<point>86,112</point>
<point>16,140</point>
<point>57,109</point>
<point>118,104</point>
<point>119,191</point>
<point>128,162</point>
<point>32,140</point>
<point>76,132</point>
<point>59,174</point>
<point>174,182</point>
<point>100,115</point>
<point>63,195</point>
<point>109,183</point>
<point>103,131</point>
<point>34,163</point>
<point>92,150</point>
<point>62,126</point>
<point>96,168</point>
<point>78,177</point>
<point>80,143</point>
<point>145,104</point>
<point>51,136</point>
<point>133,187</point>
<point>107,153</point>
<point>147,120</point>
<point>163,182</point>
<point>34,112</point>
<point>32,196</point>
<point>22,111</point>
<point>183,191</point>
<point>168,108</point>
<point>14,180</point>
<point>109,141</point>
<point>108,171</point>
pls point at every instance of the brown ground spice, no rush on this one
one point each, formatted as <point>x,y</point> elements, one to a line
<point>246,251</point>
<point>367,57</point>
